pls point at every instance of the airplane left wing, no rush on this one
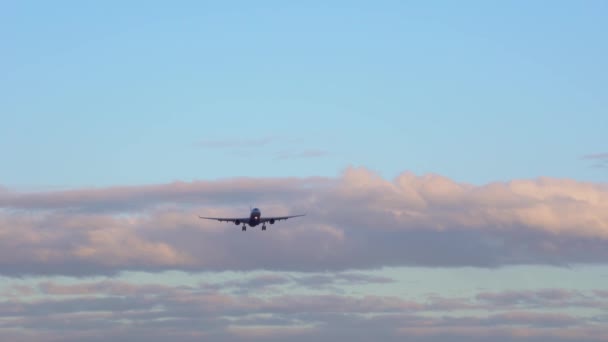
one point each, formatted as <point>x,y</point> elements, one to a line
<point>278,218</point>
<point>226,219</point>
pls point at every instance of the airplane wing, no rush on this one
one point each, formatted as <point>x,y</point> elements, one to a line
<point>278,218</point>
<point>226,219</point>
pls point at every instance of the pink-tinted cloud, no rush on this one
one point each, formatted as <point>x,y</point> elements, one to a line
<point>356,221</point>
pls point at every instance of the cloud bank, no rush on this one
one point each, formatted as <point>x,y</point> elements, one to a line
<point>356,221</point>
<point>229,311</point>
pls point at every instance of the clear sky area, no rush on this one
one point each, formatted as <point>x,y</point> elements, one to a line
<point>131,92</point>
<point>451,158</point>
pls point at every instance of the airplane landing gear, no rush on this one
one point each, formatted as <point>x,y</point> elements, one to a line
<point>244,228</point>
<point>264,227</point>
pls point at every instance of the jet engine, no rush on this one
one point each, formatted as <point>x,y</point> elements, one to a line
<point>237,222</point>
<point>271,221</point>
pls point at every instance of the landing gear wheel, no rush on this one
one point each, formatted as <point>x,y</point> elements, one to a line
<point>264,227</point>
<point>244,228</point>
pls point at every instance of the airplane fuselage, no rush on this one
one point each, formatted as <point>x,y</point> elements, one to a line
<point>254,217</point>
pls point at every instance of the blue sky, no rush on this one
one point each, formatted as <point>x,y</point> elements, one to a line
<point>142,93</point>
<point>113,93</point>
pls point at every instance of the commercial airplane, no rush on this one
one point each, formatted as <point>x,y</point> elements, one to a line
<point>253,220</point>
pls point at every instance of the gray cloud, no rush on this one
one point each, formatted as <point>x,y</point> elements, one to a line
<point>236,142</point>
<point>301,154</point>
<point>602,293</point>
<point>279,283</point>
<point>124,311</point>
<point>544,296</point>
<point>121,199</point>
<point>600,159</point>
<point>258,283</point>
<point>356,221</point>
<point>602,156</point>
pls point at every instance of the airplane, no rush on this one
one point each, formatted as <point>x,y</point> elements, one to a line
<point>255,218</point>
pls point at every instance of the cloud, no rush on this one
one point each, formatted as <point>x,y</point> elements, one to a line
<point>602,293</point>
<point>356,221</point>
<point>121,199</point>
<point>236,142</point>
<point>263,282</point>
<point>303,154</point>
<point>245,143</point>
<point>239,147</point>
<point>545,296</point>
<point>107,287</point>
<point>542,298</point>
<point>277,283</point>
<point>125,311</point>
<point>603,156</point>
<point>601,159</point>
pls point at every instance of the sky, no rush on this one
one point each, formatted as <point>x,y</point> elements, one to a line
<point>451,158</point>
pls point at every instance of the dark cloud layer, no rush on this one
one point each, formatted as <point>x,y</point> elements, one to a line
<point>357,221</point>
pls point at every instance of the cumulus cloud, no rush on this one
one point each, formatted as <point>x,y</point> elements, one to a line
<point>356,221</point>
